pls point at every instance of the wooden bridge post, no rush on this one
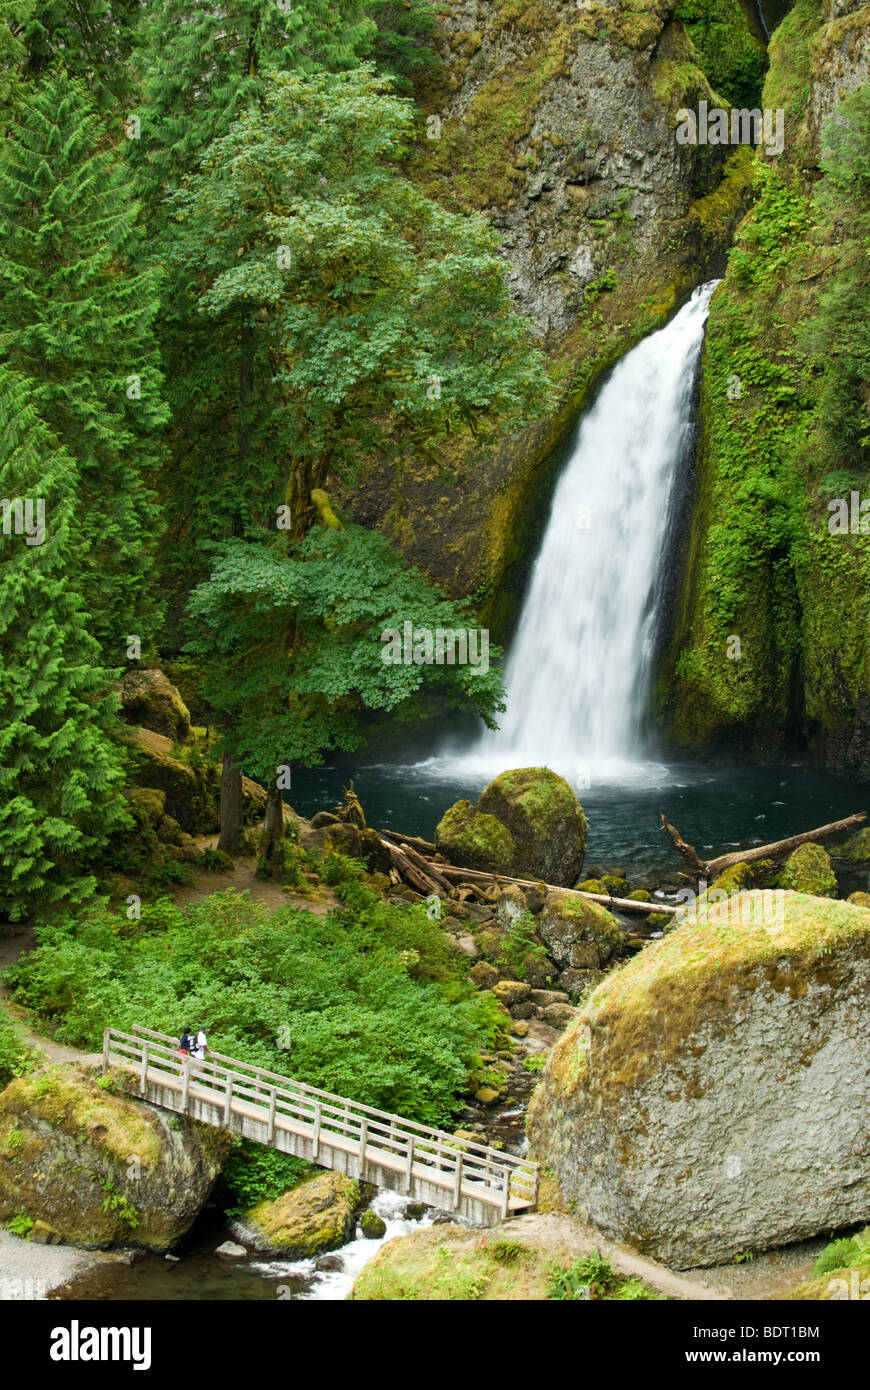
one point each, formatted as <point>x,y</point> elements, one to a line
<point>363,1136</point>
<point>143,1070</point>
<point>228,1098</point>
<point>315,1141</point>
<point>273,1096</point>
<point>505,1194</point>
<point>409,1165</point>
<point>457,1182</point>
<point>105,1050</point>
<point>186,1086</point>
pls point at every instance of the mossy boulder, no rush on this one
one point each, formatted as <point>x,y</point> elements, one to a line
<point>592,885</point>
<point>97,1168</point>
<point>735,878</point>
<point>545,820</point>
<point>808,870</point>
<point>710,1098</point>
<point>859,899</point>
<point>474,840</point>
<point>373,1226</point>
<point>317,1216</point>
<point>579,934</point>
<point>189,780</point>
<point>857,848</point>
<point>150,700</point>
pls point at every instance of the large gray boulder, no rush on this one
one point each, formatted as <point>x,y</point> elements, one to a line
<point>713,1095</point>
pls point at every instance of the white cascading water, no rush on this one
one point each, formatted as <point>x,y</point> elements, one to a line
<point>578,674</point>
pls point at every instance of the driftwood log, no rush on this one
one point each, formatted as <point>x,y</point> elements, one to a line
<point>428,877</point>
<point>711,868</point>
<point>624,904</point>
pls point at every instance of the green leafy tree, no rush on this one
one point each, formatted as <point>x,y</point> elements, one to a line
<point>385,320</point>
<point>379,321</point>
<point>293,650</point>
<point>95,40</point>
<point>60,771</point>
<point>77,321</point>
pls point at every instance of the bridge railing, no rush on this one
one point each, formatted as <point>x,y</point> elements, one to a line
<point>404,1146</point>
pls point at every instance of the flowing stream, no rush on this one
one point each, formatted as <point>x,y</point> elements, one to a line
<point>579,670</point>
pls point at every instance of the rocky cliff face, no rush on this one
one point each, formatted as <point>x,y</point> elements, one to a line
<point>557,121</point>
<point>771,652</point>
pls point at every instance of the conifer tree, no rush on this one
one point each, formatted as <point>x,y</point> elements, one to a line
<point>60,771</point>
<point>76,321</point>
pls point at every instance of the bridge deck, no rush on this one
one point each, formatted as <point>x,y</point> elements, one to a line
<point>431,1165</point>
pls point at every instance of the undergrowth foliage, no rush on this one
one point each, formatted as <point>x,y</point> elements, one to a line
<point>373,1004</point>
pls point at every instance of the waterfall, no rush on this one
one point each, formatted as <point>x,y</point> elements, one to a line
<point>579,670</point>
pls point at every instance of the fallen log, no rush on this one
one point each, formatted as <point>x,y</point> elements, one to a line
<point>711,868</point>
<point>415,840</point>
<point>624,904</point>
<point>426,867</point>
<point>412,875</point>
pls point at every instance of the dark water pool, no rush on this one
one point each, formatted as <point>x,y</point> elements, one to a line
<point>715,808</point>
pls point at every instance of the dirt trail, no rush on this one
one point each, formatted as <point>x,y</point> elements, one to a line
<point>15,941</point>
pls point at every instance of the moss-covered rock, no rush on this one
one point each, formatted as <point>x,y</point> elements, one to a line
<point>373,1226</point>
<point>736,878</point>
<point>99,1168</point>
<point>317,1216</point>
<point>468,837</point>
<point>770,639</point>
<point>857,848</point>
<point>592,885</point>
<point>859,899</point>
<point>150,700</point>
<point>696,1109</point>
<point>579,934</point>
<point>808,870</point>
<point>545,820</point>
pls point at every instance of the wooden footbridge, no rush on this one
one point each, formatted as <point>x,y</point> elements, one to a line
<point>430,1165</point>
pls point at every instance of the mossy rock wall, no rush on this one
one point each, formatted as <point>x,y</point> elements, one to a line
<point>558,125</point>
<point>99,1169</point>
<point>769,653</point>
<point>710,1099</point>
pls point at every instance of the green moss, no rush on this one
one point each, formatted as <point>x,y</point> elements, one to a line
<point>808,870</point>
<point>643,1015</point>
<point>737,877</point>
<point>117,1125</point>
<point>857,847</point>
<point>448,1263</point>
<point>467,836</point>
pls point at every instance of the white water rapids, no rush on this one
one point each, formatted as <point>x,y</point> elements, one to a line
<point>578,674</point>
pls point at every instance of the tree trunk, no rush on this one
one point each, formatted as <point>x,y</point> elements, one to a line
<point>232,817</point>
<point>272,839</point>
<point>713,867</point>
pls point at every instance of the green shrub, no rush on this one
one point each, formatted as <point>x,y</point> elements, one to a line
<point>376,1004</point>
<point>254,1173</point>
<point>519,944</point>
<point>16,1058</point>
<point>592,1277</point>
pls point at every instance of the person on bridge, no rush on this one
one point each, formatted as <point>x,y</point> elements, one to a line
<point>185,1042</point>
<point>199,1047</point>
